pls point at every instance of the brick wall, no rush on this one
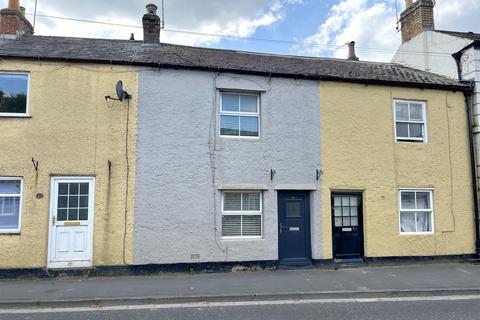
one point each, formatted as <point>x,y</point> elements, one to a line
<point>417,18</point>
<point>14,23</point>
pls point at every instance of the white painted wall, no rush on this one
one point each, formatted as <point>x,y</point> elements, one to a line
<point>431,51</point>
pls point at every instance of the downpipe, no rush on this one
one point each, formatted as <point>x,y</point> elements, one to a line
<point>473,164</point>
<point>468,102</point>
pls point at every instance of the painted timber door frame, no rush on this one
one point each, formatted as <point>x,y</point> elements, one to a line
<point>347,225</point>
<point>294,244</point>
<point>70,236</point>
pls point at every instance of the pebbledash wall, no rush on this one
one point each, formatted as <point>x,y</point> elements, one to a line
<point>183,163</point>
<point>360,154</point>
<point>70,131</point>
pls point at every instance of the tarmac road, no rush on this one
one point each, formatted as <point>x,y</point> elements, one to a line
<point>405,308</point>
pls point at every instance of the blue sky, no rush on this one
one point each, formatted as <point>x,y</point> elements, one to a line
<point>300,21</point>
<point>328,24</point>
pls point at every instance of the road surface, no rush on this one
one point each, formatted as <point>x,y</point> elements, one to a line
<point>406,308</point>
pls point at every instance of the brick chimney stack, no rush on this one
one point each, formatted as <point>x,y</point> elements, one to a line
<point>13,23</point>
<point>151,25</point>
<point>417,17</point>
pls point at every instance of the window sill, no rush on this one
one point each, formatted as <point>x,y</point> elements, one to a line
<point>3,116</point>
<point>415,142</point>
<point>417,233</point>
<point>241,138</point>
<point>240,238</point>
<point>9,233</point>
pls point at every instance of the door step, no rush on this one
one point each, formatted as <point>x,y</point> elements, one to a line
<point>349,262</point>
<point>289,264</point>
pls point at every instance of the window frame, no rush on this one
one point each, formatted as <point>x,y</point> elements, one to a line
<point>242,213</point>
<point>20,207</point>
<point>424,122</point>
<point>431,210</point>
<point>239,114</point>
<point>27,109</point>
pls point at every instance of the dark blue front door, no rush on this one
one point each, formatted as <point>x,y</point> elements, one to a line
<point>294,227</point>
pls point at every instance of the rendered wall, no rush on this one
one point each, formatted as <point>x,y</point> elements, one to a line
<point>71,131</point>
<point>359,153</point>
<point>182,163</point>
<point>431,51</point>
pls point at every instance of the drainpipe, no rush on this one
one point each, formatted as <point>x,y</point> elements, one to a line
<point>473,164</point>
<point>468,101</point>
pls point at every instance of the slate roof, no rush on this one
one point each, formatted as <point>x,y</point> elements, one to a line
<point>175,56</point>
<point>467,35</point>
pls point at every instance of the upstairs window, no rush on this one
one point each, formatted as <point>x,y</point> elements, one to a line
<point>13,94</point>
<point>410,121</point>
<point>242,214</point>
<point>239,115</point>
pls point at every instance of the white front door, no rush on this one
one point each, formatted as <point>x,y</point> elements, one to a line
<point>71,222</point>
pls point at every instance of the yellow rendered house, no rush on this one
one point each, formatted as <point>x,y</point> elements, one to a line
<point>67,160</point>
<point>397,176</point>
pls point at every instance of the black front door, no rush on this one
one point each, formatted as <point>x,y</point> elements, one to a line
<point>294,228</point>
<point>347,222</point>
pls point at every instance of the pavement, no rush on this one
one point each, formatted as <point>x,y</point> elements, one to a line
<point>447,279</point>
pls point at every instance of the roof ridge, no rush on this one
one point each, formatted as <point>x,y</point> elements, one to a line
<point>259,53</point>
<point>81,38</point>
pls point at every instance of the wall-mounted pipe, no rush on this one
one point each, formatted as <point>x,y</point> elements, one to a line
<point>468,102</point>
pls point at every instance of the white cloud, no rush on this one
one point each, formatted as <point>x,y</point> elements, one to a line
<point>371,23</point>
<point>235,18</point>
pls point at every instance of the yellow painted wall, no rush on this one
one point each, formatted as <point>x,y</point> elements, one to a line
<point>71,131</point>
<point>359,153</point>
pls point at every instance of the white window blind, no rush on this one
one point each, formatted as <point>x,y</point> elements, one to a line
<point>416,211</point>
<point>10,204</point>
<point>239,115</point>
<point>241,214</point>
<point>410,121</point>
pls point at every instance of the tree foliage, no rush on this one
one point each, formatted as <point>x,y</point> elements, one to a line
<point>16,103</point>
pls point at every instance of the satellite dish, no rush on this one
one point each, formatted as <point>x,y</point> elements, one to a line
<point>120,92</point>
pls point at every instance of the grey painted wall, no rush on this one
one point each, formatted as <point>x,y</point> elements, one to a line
<point>182,162</point>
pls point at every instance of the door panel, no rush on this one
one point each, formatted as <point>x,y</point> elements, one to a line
<point>294,226</point>
<point>71,219</point>
<point>347,225</point>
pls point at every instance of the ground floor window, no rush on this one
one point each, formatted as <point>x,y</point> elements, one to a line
<point>416,211</point>
<point>10,204</point>
<point>241,214</point>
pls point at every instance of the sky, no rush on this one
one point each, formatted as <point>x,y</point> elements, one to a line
<point>293,27</point>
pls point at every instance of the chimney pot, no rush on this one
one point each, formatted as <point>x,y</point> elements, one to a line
<point>151,25</point>
<point>14,5</point>
<point>151,8</point>
<point>351,51</point>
